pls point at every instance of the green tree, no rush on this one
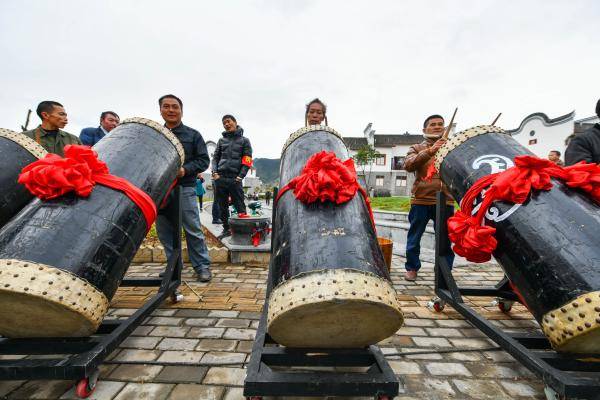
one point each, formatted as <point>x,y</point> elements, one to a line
<point>364,158</point>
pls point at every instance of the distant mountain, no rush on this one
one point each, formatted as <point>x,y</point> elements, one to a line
<point>267,169</point>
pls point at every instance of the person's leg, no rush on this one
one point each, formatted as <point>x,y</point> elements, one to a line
<point>417,217</point>
<point>200,202</point>
<point>194,237</point>
<point>164,230</point>
<point>223,200</point>
<point>448,249</point>
<point>216,214</point>
<point>237,197</point>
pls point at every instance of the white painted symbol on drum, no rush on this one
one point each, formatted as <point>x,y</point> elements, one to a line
<point>496,162</point>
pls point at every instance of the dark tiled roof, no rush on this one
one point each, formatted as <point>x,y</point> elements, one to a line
<point>580,128</point>
<point>544,118</point>
<point>395,140</point>
<point>355,143</point>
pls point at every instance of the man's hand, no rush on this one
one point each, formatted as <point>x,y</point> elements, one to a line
<point>181,172</point>
<point>238,179</point>
<point>215,176</point>
<point>436,146</point>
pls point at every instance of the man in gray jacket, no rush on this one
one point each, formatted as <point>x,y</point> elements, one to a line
<point>230,164</point>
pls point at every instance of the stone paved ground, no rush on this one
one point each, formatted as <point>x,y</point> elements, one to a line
<point>160,360</point>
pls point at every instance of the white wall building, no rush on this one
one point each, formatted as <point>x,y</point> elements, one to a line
<point>541,134</point>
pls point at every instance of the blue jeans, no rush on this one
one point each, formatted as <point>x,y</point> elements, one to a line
<point>418,217</point>
<point>190,219</point>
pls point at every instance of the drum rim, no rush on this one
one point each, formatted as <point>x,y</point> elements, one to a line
<point>55,285</point>
<point>461,137</point>
<point>160,129</point>
<point>307,129</point>
<point>24,141</point>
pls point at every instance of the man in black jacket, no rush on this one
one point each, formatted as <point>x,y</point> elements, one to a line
<point>585,146</point>
<point>230,164</point>
<point>196,161</point>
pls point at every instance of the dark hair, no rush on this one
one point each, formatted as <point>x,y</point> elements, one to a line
<point>170,96</point>
<point>598,108</point>
<point>46,106</point>
<point>230,117</point>
<point>555,151</point>
<point>430,118</point>
<point>105,113</point>
<point>315,101</point>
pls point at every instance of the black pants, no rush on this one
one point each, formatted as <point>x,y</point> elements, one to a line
<point>200,201</point>
<point>227,187</point>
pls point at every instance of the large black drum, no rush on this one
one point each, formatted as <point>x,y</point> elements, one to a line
<point>549,247</point>
<point>331,287</point>
<point>62,260</point>
<point>16,151</point>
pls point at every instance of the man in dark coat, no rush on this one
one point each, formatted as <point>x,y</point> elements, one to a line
<point>108,121</point>
<point>230,164</point>
<point>196,161</point>
<point>586,145</point>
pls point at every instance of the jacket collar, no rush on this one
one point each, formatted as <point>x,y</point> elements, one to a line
<point>44,133</point>
<point>238,132</point>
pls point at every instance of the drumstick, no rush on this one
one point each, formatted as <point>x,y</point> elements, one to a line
<point>496,120</point>
<point>445,135</point>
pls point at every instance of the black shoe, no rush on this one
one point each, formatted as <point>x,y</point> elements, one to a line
<point>217,222</point>
<point>204,275</point>
<point>224,234</point>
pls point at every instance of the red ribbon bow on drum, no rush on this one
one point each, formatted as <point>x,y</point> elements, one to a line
<point>326,178</point>
<point>472,238</point>
<point>79,171</point>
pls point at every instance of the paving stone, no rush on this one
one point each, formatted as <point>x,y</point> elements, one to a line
<point>444,332</point>
<point>234,394</point>
<point>453,323</point>
<point>223,314</point>
<point>472,343</point>
<point>206,333</point>
<point>429,388</point>
<point>464,356</point>
<point>239,334</point>
<point>143,330</point>
<point>225,376</point>
<point>41,389</point>
<point>245,346</point>
<point>8,386</point>
<point>249,315</point>
<point>431,342</point>
<point>163,313</point>
<point>418,322</point>
<point>170,331</point>
<point>145,391</point>
<point>136,373</point>
<point>405,367</point>
<point>181,374</point>
<point>137,355</point>
<point>216,344</point>
<point>519,389</point>
<point>200,321</point>
<point>140,342</point>
<point>450,369</point>
<point>105,390</point>
<point>192,313</point>
<point>215,357</point>
<point>123,312</point>
<point>428,354</point>
<point>191,391</point>
<point>177,344</point>
<point>492,371</point>
<point>171,321</point>
<point>411,331</point>
<point>181,356</point>
<point>480,389</point>
<point>233,323</point>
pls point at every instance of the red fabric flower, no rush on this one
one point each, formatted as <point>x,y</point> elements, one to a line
<point>471,240</point>
<point>586,177</point>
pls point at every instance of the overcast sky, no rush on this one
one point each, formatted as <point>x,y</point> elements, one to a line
<point>387,62</point>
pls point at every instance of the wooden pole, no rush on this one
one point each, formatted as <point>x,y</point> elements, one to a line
<point>445,136</point>
<point>496,120</point>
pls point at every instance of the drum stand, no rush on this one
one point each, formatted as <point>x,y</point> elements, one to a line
<point>275,370</point>
<point>565,376</point>
<point>80,358</point>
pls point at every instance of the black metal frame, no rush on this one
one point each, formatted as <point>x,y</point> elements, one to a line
<point>80,358</point>
<point>566,374</point>
<point>271,372</point>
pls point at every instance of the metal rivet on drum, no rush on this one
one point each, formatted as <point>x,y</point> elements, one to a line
<point>73,278</point>
<point>563,310</point>
<point>353,293</point>
<point>57,272</point>
<point>570,319</point>
<point>598,320</point>
<point>588,325</point>
<point>318,283</point>
<point>320,295</point>
<point>552,315</point>
<point>60,298</point>
<point>367,294</point>
<point>336,293</point>
<point>73,303</point>
<point>33,278</point>
<point>588,300</point>
<point>26,265</point>
<point>551,329</point>
<point>41,268</point>
<point>8,263</point>
<point>581,315</point>
<point>25,289</point>
<point>67,288</point>
<point>16,275</point>
<point>44,293</point>
<point>546,320</point>
<point>365,282</point>
<point>597,309</point>
<point>350,281</point>
<point>303,286</point>
<point>379,297</point>
<point>291,303</point>
<point>7,285</point>
<point>50,283</point>
<point>292,290</point>
<point>579,328</point>
<point>575,305</point>
<point>79,294</point>
<point>304,299</point>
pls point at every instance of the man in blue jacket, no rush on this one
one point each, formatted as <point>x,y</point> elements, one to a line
<point>196,162</point>
<point>108,121</point>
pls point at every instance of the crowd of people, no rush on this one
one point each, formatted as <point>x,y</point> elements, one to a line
<point>232,160</point>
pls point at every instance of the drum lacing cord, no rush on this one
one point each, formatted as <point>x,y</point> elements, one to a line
<point>242,363</point>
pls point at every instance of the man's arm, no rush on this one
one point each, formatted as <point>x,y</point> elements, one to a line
<point>216,158</point>
<point>578,150</point>
<point>200,161</point>
<point>415,159</point>
<point>246,158</point>
<point>85,138</point>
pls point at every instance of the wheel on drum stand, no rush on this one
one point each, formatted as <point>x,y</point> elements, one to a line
<point>503,305</point>
<point>436,304</point>
<point>176,297</point>
<point>86,386</point>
